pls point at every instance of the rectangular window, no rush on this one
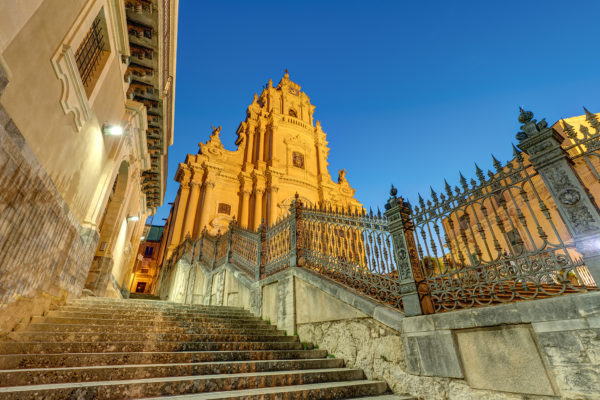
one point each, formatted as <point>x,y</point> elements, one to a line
<point>149,251</point>
<point>298,159</point>
<point>93,53</point>
<point>224,208</point>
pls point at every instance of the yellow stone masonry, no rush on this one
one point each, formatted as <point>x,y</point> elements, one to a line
<point>281,151</point>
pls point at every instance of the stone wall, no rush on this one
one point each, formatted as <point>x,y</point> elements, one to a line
<point>537,347</point>
<point>45,254</point>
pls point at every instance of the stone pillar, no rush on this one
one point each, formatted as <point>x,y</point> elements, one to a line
<point>260,142</point>
<point>577,209</point>
<point>250,145</point>
<point>273,205</point>
<point>406,256</point>
<point>192,206</point>
<point>245,190</point>
<point>258,202</point>
<point>209,186</point>
<point>184,192</point>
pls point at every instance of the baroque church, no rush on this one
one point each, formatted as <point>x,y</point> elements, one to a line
<point>281,151</point>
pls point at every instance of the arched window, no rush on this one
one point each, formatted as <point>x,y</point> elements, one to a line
<point>293,113</point>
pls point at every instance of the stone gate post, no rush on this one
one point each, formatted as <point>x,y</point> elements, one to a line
<point>576,207</point>
<point>398,216</point>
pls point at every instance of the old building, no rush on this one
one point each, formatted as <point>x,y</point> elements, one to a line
<point>146,267</point>
<point>281,150</point>
<point>86,111</point>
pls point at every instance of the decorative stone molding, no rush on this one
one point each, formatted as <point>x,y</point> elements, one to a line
<point>73,98</point>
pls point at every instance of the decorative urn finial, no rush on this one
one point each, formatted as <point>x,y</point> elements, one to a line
<point>530,126</point>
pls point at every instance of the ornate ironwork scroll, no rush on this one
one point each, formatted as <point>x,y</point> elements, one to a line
<point>277,247</point>
<point>353,249</point>
<point>244,248</point>
<point>221,250</point>
<point>496,240</point>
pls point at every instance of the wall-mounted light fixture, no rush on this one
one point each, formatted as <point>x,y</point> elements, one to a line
<point>142,238</point>
<point>112,130</point>
<point>133,218</point>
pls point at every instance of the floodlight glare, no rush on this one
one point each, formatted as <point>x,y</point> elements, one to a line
<point>112,130</point>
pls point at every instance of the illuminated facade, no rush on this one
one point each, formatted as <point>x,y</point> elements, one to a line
<point>281,151</point>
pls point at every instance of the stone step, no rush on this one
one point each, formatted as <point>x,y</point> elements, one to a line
<point>25,336</point>
<point>151,313</point>
<point>387,397</point>
<point>38,376</point>
<point>130,389</point>
<point>18,361</point>
<point>144,322</point>
<point>135,346</point>
<point>328,390</point>
<point>146,303</point>
<point>156,316</point>
<point>84,328</point>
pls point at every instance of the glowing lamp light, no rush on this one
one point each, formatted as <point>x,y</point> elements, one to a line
<point>143,238</point>
<point>133,218</point>
<point>112,130</point>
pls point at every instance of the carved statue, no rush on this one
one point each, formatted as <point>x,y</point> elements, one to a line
<point>216,130</point>
<point>342,176</point>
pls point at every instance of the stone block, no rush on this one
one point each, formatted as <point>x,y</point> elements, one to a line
<point>496,315</point>
<point>389,317</point>
<point>454,320</point>
<point>562,348</point>
<point>436,354</point>
<point>558,308</point>
<point>504,359</point>
<point>588,304</point>
<point>422,323</point>
<point>578,382</point>
<point>563,325</point>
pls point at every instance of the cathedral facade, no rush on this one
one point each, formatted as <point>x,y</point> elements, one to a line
<point>281,151</point>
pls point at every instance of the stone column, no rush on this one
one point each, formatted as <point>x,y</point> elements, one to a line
<point>209,186</point>
<point>250,146</point>
<point>244,212</point>
<point>184,192</point>
<point>273,205</point>
<point>192,206</point>
<point>577,209</point>
<point>258,202</point>
<point>260,142</point>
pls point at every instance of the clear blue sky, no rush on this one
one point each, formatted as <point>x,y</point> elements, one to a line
<point>409,92</point>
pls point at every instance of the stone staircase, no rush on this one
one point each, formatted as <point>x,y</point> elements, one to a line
<point>98,348</point>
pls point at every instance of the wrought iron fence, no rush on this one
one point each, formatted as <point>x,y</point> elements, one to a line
<point>277,247</point>
<point>514,233</point>
<point>353,249</point>
<point>494,241</point>
<point>244,250</point>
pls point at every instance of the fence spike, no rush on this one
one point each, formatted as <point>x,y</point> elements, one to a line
<point>434,195</point>
<point>497,164</point>
<point>570,129</point>
<point>370,212</point>
<point>421,202</point>
<point>479,173</point>
<point>517,154</point>
<point>448,189</point>
<point>463,181</point>
<point>592,119</point>
<point>378,213</point>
